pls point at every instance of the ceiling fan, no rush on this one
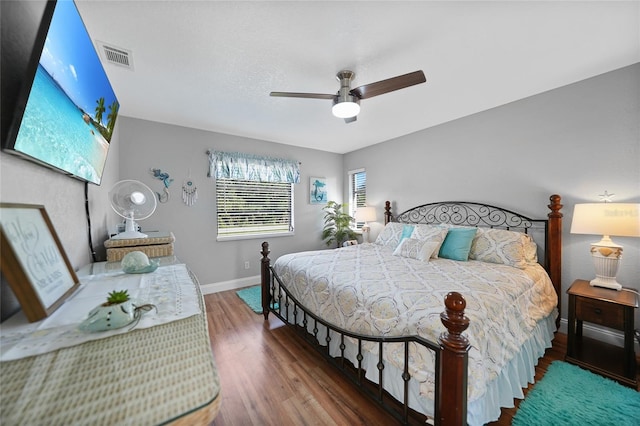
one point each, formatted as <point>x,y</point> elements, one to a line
<point>346,102</point>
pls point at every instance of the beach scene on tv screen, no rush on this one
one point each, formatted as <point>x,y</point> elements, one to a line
<point>72,109</point>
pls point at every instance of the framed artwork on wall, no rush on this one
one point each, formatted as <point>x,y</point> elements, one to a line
<point>33,260</point>
<point>318,190</point>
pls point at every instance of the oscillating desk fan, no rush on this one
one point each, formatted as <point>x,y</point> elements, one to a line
<point>132,200</point>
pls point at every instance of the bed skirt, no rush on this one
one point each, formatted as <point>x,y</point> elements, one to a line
<point>515,376</point>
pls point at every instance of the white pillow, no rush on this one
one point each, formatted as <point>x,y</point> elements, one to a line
<point>432,234</point>
<point>416,249</point>
<point>390,235</point>
<point>503,246</point>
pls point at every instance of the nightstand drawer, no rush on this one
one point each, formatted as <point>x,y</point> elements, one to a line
<point>598,312</point>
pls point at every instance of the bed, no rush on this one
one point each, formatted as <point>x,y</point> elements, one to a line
<point>376,310</point>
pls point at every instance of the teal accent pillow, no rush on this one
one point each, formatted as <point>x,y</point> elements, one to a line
<point>457,244</point>
<point>407,230</point>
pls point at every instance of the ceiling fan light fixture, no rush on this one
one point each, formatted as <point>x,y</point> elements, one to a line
<point>346,102</point>
<point>347,108</point>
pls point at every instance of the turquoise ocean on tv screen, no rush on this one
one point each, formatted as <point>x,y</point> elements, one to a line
<point>53,131</point>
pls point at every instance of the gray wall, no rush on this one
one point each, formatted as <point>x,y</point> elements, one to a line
<point>180,150</point>
<point>576,141</point>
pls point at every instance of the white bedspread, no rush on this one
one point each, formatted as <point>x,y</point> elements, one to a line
<point>365,289</point>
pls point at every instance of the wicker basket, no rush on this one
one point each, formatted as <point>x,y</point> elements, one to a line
<point>116,254</point>
<point>158,244</point>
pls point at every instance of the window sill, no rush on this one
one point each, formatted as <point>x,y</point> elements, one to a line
<point>224,238</point>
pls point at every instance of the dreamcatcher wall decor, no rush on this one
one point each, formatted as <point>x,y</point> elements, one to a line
<point>189,191</point>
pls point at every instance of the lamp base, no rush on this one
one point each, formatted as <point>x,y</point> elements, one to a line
<point>606,259</point>
<point>606,283</point>
<point>366,230</point>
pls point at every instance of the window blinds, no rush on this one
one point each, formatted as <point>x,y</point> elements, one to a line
<point>250,208</point>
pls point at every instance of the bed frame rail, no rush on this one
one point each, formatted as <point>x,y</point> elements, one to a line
<point>451,351</point>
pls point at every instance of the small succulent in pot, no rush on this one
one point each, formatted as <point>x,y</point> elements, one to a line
<point>117,297</point>
<point>118,311</point>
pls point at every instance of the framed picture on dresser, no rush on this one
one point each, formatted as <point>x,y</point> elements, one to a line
<point>33,260</point>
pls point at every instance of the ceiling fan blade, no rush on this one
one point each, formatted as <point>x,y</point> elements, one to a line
<point>389,85</point>
<point>303,95</point>
<point>351,119</point>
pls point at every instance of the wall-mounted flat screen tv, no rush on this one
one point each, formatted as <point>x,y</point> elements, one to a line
<point>65,118</point>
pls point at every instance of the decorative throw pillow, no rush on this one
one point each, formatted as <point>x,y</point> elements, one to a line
<point>457,243</point>
<point>390,235</point>
<point>503,246</point>
<point>407,230</point>
<point>430,233</point>
<point>416,249</point>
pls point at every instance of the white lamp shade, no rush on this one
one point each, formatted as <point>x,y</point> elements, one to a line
<point>612,219</point>
<point>366,214</point>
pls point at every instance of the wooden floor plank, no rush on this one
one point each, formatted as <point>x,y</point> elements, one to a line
<point>269,376</point>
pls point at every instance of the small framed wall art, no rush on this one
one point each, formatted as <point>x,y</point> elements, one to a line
<point>33,260</point>
<point>318,190</point>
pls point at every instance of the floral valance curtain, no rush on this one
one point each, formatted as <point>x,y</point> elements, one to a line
<point>239,166</point>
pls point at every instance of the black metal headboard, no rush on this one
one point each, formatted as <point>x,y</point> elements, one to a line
<point>483,215</point>
<point>464,213</point>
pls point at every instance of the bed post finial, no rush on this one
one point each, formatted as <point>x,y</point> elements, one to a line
<point>555,205</point>
<point>265,275</point>
<point>553,250</point>
<point>387,212</point>
<point>452,374</point>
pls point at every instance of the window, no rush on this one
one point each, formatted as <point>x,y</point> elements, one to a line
<point>252,209</point>
<point>254,194</point>
<point>357,192</point>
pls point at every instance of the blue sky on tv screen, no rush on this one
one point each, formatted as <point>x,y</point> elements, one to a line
<point>70,58</point>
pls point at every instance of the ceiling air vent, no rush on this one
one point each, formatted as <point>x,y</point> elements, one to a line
<point>116,55</point>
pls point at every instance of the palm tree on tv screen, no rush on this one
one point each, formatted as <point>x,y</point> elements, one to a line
<point>111,118</point>
<point>100,109</point>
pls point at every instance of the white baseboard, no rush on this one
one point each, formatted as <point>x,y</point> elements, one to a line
<point>229,285</point>
<point>607,335</point>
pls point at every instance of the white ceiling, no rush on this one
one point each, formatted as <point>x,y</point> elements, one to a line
<point>211,65</point>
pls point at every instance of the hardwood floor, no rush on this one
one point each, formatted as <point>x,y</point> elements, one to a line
<point>270,376</point>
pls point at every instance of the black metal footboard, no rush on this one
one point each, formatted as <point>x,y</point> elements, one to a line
<point>450,353</point>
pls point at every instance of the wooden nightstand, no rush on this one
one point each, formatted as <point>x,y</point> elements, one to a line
<point>608,308</point>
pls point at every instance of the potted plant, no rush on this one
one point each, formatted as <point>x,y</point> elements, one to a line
<point>337,225</point>
<point>116,312</point>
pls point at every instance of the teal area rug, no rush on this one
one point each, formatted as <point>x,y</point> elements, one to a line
<point>252,296</point>
<point>569,395</point>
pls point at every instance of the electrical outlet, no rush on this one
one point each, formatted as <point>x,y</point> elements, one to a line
<point>247,265</point>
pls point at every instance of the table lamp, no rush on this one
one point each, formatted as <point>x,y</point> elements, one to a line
<point>606,219</point>
<point>365,214</point>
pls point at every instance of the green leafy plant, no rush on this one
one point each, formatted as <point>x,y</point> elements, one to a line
<point>117,297</point>
<point>337,224</point>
